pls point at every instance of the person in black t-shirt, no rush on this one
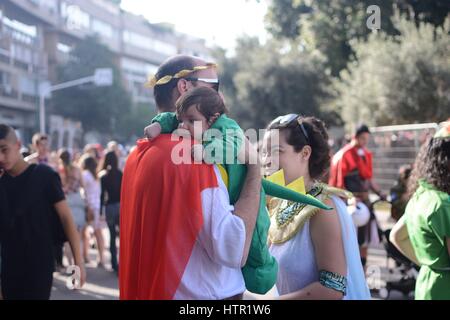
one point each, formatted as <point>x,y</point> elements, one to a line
<point>34,199</point>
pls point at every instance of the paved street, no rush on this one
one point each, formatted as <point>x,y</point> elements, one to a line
<point>103,284</point>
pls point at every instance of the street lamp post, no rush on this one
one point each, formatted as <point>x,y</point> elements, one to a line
<point>101,78</point>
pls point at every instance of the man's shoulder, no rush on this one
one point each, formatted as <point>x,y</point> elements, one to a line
<point>367,152</point>
<point>167,149</point>
<point>44,172</point>
<point>348,148</point>
<point>342,152</point>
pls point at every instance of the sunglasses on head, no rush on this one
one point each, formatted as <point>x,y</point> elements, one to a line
<point>284,121</point>
<point>214,82</point>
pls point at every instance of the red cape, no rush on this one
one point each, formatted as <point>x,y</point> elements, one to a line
<point>160,218</point>
<point>347,160</point>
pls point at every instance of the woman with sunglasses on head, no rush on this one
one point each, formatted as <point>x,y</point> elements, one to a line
<point>317,250</point>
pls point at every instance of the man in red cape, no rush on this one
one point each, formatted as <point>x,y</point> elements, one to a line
<point>159,222</point>
<point>179,236</point>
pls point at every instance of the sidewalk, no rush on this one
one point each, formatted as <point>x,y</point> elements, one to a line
<point>103,284</point>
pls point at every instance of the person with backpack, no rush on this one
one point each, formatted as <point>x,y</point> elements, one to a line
<point>34,218</point>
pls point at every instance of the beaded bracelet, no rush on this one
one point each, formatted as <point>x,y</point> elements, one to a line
<point>333,281</point>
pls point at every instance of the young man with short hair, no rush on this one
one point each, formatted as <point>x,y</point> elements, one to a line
<point>33,200</point>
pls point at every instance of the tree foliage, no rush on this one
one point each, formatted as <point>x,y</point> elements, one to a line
<point>262,82</point>
<point>329,26</point>
<point>100,109</point>
<point>398,79</point>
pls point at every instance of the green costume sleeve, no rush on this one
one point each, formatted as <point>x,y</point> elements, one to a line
<point>222,148</point>
<point>261,270</point>
<point>167,120</point>
<point>222,142</point>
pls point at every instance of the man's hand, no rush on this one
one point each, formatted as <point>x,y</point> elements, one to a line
<point>65,215</point>
<point>152,131</point>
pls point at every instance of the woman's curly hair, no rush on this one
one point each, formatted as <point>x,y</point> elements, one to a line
<point>432,165</point>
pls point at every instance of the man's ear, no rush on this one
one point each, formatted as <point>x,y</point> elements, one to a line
<point>182,86</point>
<point>18,145</point>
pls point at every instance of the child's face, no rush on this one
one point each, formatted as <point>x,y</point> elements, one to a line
<point>193,121</point>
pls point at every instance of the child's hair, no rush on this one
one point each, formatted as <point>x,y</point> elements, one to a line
<point>207,101</point>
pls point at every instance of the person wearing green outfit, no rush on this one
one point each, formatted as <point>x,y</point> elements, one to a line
<point>423,232</point>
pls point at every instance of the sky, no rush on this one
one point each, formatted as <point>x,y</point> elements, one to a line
<point>219,22</point>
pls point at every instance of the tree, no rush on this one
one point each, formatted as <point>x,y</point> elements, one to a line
<point>99,109</point>
<point>262,82</point>
<point>133,123</point>
<point>398,79</point>
<point>330,26</point>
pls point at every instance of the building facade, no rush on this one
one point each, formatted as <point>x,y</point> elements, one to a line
<point>36,36</point>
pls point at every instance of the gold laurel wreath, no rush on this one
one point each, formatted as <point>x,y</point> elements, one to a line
<point>153,81</point>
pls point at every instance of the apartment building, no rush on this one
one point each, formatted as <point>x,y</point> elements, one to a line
<point>36,36</point>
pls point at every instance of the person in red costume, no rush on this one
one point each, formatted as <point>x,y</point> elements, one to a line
<point>179,236</point>
<point>351,169</point>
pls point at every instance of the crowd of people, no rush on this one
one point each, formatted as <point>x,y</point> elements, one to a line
<point>292,215</point>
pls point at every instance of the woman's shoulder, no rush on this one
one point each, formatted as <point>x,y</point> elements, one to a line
<point>322,215</point>
<point>435,200</point>
<point>327,192</point>
<point>329,196</point>
<point>288,218</point>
